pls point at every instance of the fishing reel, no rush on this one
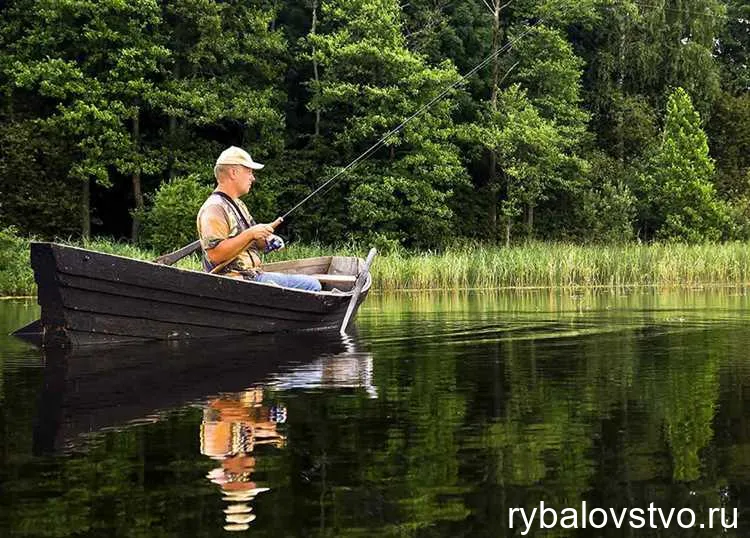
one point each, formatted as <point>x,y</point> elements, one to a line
<point>273,242</point>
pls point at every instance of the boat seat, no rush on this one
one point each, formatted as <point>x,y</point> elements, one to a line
<point>335,279</point>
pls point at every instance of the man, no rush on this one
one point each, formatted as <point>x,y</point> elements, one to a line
<point>230,238</point>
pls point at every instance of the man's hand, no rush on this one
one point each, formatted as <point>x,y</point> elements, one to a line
<point>262,231</point>
<point>232,247</point>
<point>259,231</point>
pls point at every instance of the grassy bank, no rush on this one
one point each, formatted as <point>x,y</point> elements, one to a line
<point>534,265</point>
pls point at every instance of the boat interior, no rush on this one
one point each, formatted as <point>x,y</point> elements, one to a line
<point>335,273</point>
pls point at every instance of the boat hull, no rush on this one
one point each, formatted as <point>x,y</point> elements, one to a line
<point>92,298</point>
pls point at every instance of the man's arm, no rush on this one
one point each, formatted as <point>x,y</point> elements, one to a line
<point>218,246</point>
<point>232,246</point>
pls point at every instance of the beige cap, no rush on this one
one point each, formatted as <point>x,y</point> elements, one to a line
<point>235,155</point>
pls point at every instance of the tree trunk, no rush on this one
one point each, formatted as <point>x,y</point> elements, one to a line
<point>173,127</point>
<point>315,65</point>
<point>172,135</point>
<point>507,231</point>
<point>621,91</point>
<point>493,176</point>
<point>11,108</point>
<point>137,190</point>
<point>86,209</point>
<point>530,222</point>
<point>493,193</point>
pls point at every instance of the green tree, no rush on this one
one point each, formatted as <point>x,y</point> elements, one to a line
<point>532,129</point>
<point>142,89</point>
<point>729,132</point>
<point>677,185</point>
<point>604,209</point>
<point>734,48</point>
<point>169,223</point>
<point>222,84</point>
<point>91,63</point>
<point>368,82</point>
<point>730,144</point>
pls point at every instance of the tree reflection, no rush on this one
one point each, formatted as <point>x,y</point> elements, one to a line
<point>446,423</point>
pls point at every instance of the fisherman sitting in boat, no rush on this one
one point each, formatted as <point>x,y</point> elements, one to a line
<point>230,238</point>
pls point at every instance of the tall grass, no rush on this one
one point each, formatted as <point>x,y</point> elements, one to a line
<point>548,265</point>
<point>566,265</point>
<point>16,277</point>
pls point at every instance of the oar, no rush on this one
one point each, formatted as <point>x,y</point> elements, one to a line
<point>358,285</point>
<point>187,250</point>
<point>177,255</point>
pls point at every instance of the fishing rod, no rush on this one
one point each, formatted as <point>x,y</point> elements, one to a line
<point>377,145</point>
<point>173,257</point>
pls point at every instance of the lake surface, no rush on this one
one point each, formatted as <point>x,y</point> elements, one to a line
<point>440,416</point>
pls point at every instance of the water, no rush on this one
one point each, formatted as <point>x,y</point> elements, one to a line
<point>441,414</point>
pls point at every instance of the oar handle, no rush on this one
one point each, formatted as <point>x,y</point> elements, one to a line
<point>174,257</point>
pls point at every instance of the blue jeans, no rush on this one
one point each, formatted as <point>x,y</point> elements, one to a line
<point>300,282</point>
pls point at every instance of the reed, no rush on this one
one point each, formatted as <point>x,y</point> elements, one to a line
<point>16,277</point>
<point>534,265</point>
<point>559,265</point>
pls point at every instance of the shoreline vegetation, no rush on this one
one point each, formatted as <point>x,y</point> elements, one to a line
<point>533,265</point>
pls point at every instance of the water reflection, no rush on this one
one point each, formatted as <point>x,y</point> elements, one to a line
<point>453,413</point>
<point>234,424</point>
<point>236,385</point>
<point>89,390</point>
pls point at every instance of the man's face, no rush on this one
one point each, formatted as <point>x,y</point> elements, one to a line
<point>246,178</point>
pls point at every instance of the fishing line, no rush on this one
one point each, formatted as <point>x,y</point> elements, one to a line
<point>377,145</point>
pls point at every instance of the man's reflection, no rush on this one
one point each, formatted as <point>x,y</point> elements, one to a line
<point>233,424</point>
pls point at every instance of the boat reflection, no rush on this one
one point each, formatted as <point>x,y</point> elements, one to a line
<point>87,391</point>
<point>237,384</point>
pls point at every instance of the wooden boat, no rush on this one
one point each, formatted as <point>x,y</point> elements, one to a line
<point>90,298</point>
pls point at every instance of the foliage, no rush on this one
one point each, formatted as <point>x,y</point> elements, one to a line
<point>607,208</point>
<point>679,178</point>
<point>90,75</point>
<point>103,102</point>
<point>368,81</point>
<point>729,130</point>
<point>475,266</point>
<point>734,47</point>
<point>112,75</point>
<point>566,265</point>
<point>169,222</point>
<point>35,196</point>
<point>533,128</point>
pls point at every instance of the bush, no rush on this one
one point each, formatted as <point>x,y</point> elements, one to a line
<point>169,222</point>
<point>16,276</point>
<point>607,208</point>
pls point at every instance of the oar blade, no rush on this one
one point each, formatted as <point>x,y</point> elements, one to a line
<point>358,285</point>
